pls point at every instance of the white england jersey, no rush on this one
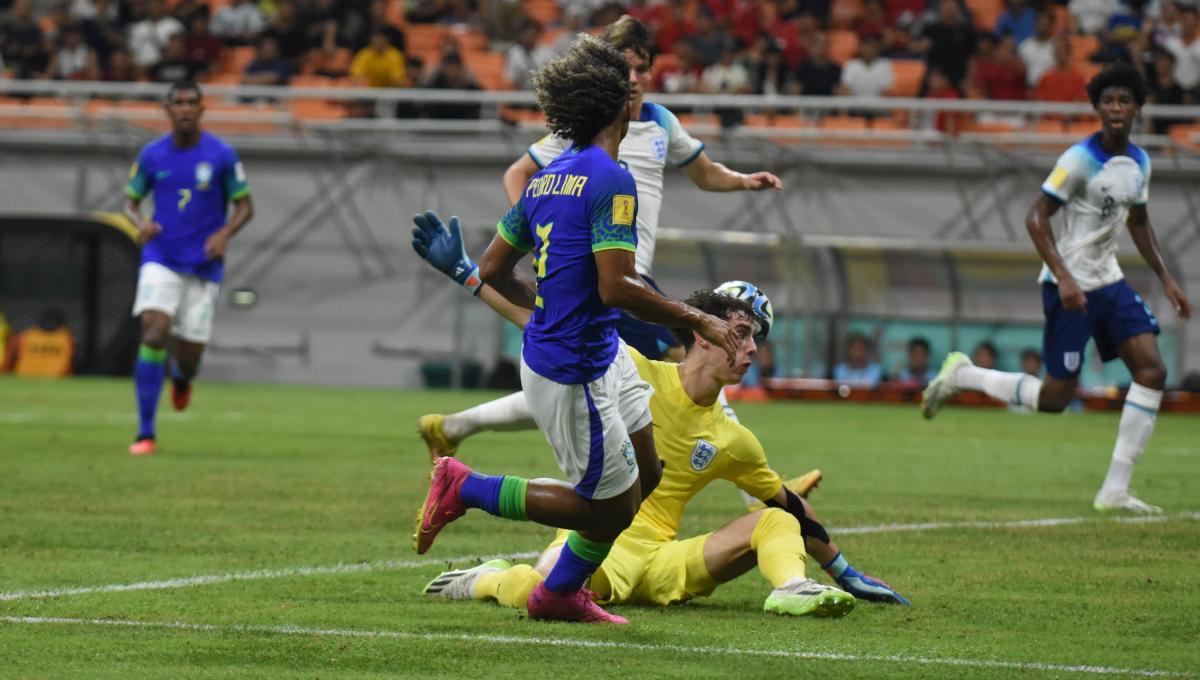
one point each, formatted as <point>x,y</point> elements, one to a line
<point>1098,189</point>
<point>654,140</point>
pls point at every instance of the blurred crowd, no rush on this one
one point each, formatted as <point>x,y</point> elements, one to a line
<point>815,47</point>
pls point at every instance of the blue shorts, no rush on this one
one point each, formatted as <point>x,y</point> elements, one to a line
<point>651,339</point>
<point>1115,313</point>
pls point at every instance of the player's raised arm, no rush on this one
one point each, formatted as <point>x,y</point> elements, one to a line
<point>1037,222</point>
<point>621,286</point>
<point>1147,244</point>
<point>517,176</point>
<point>710,175</point>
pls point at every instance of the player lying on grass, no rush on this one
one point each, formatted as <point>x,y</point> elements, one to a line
<point>1104,182</point>
<point>697,443</point>
<point>577,217</point>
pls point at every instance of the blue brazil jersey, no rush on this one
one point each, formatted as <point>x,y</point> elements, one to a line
<point>581,203</point>
<point>192,189</point>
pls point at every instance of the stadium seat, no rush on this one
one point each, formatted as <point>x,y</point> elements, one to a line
<point>843,13</point>
<point>236,59</point>
<point>395,13</point>
<point>1084,128</point>
<point>551,35</point>
<point>472,41</point>
<point>1062,19</point>
<point>242,119</point>
<point>488,69</point>
<point>316,109</point>
<point>984,13</point>
<point>698,120</point>
<point>545,12</point>
<point>521,115</point>
<point>1186,135</point>
<point>988,128</point>
<point>842,123</point>
<point>908,75</point>
<point>1082,47</point>
<point>425,41</point>
<point>1048,126</point>
<point>843,45</point>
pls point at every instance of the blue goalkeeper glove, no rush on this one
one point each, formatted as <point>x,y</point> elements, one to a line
<point>860,585</point>
<point>443,249</point>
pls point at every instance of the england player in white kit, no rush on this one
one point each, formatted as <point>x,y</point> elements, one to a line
<point>1104,182</point>
<point>655,139</point>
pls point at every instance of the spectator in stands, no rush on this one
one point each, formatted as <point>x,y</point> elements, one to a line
<point>675,26</point>
<point>940,87</point>
<point>269,67</point>
<point>122,68</point>
<point>1031,362</point>
<point>708,38</point>
<point>46,350</point>
<point>1127,23</point>
<point>1062,82</point>
<point>73,59</point>
<point>574,21</point>
<point>526,56</point>
<point>21,42</point>
<point>874,20</point>
<point>187,10</point>
<point>148,37</point>
<point>239,23</point>
<point>1164,89</point>
<point>948,43</point>
<point>451,74</point>
<point>201,45</point>
<point>1017,20</point>
<point>858,369</point>
<point>175,65</point>
<point>293,38</point>
<point>376,19</point>
<point>379,64</point>
<point>905,15</point>
<point>682,77</point>
<point>83,10</point>
<point>985,355</point>
<point>999,73</point>
<point>1186,49</point>
<point>917,372</point>
<point>55,21</point>
<point>103,31</point>
<point>434,11</point>
<point>819,75</point>
<point>761,366</point>
<point>4,331</point>
<point>1091,16</point>
<point>1037,51</point>
<point>726,76</point>
<point>774,77</point>
<point>868,74</point>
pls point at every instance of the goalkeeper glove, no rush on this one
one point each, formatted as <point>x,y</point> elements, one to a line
<point>444,250</point>
<point>860,585</point>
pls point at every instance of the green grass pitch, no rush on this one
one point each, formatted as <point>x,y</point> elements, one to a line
<point>264,482</point>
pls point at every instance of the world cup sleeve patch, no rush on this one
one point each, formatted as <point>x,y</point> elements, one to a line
<point>1058,178</point>
<point>622,209</point>
<point>133,171</point>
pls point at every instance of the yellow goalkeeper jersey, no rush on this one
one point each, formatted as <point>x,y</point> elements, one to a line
<point>698,444</point>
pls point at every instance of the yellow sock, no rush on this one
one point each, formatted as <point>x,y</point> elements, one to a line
<point>511,587</point>
<point>779,545</point>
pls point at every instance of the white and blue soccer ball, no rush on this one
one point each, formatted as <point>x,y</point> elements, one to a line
<point>744,290</point>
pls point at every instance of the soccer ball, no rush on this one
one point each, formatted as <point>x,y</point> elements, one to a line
<point>744,290</point>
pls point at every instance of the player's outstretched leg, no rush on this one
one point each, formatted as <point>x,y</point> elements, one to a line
<point>941,388</point>
<point>148,373</point>
<point>444,502</point>
<point>1137,424</point>
<point>459,584</point>
<point>184,366</point>
<point>777,542</point>
<point>443,433</point>
<point>958,373</point>
<point>562,597</point>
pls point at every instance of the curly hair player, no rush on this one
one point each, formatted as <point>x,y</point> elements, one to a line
<point>1104,182</point>
<point>577,216</point>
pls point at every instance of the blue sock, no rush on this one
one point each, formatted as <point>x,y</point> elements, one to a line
<point>483,492</point>
<point>148,375</point>
<point>579,560</point>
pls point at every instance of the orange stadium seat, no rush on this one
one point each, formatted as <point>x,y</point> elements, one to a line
<point>544,12</point>
<point>1062,19</point>
<point>691,120</point>
<point>488,68</point>
<point>1048,126</point>
<point>1082,47</point>
<point>425,41</point>
<point>843,13</point>
<point>908,74</point>
<point>316,109</point>
<point>1186,135</point>
<point>472,41</point>
<point>988,128</point>
<point>395,13</point>
<point>842,123</point>
<point>1083,129</point>
<point>223,78</point>
<point>843,45</point>
<point>236,59</point>
<point>984,13</point>
<point>250,119</point>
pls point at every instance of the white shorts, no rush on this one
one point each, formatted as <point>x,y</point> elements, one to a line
<point>588,425</point>
<point>188,300</point>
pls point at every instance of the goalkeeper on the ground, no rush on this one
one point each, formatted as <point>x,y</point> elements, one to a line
<point>698,443</point>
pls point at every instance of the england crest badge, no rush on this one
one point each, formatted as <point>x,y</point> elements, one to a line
<point>702,455</point>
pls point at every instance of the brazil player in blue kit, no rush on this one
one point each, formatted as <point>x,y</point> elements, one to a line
<point>1103,182</point>
<point>192,177</point>
<point>578,218</point>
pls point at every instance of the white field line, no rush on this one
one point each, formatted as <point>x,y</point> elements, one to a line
<point>392,565</point>
<point>600,644</point>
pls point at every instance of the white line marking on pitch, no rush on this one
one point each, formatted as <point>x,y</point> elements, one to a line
<point>600,644</point>
<point>392,565</point>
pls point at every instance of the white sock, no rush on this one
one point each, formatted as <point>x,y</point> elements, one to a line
<point>1020,389</point>
<point>1137,424</point>
<point>505,413</point>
